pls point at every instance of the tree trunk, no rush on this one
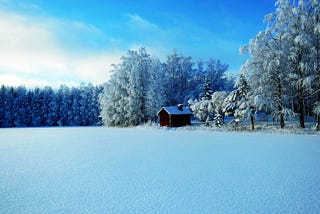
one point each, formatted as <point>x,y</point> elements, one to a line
<point>281,120</point>
<point>300,88</point>
<point>301,109</point>
<point>252,122</point>
<point>318,116</point>
<point>281,117</point>
<point>236,124</point>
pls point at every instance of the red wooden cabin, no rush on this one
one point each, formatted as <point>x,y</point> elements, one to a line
<point>175,116</point>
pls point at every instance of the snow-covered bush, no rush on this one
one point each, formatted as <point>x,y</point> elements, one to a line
<point>203,109</point>
<point>206,110</point>
<point>217,101</point>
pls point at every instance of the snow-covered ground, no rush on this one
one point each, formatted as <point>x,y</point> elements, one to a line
<point>148,170</point>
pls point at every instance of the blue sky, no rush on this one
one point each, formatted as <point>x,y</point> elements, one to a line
<point>50,42</point>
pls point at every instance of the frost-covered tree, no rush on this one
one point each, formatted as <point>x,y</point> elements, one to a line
<point>206,90</point>
<point>209,77</point>
<point>74,115</point>
<point>203,110</point>
<point>90,105</point>
<point>239,103</point>
<point>217,100</point>
<point>138,68</point>
<point>155,97</point>
<point>198,79</point>
<point>278,66</point>
<point>64,105</point>
<point>114,98</point>
<point>124,100</point>
<point>300,30</point>
<point>315,55</point>
<point>3,101</point>
<point>20,107</point>
<point>49,107</point>
<point>288,52</point>
<point>36,108</point>
<point>215,74</point>
<point>207,110</point>
<point>178,71</point>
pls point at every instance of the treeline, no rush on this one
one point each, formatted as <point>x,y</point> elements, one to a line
<point>76,106</point>
<point>140,85</point>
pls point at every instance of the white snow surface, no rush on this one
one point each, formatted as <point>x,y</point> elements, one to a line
<point>150,170</point>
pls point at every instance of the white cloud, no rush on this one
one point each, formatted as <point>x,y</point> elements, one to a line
<point>137,21</point>
<point>36,50</point>
<point>36,47</point>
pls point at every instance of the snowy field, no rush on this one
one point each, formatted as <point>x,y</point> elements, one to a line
<point>149,170</point>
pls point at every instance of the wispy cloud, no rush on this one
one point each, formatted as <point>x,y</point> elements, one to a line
<point>188,38</point>
<point>136,21</point>
<point>53,51</point>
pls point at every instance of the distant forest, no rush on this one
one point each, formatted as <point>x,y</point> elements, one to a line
<point>76,106</point>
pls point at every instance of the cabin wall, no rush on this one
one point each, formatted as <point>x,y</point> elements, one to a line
<point>164,118</point>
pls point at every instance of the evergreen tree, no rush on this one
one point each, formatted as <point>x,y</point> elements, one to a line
<point>207,91</point>
<point>215,74</point>
<point>3,103</point>
<point>239,103</point>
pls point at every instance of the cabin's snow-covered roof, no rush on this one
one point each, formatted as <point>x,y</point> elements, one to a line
<point>174,110</point>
